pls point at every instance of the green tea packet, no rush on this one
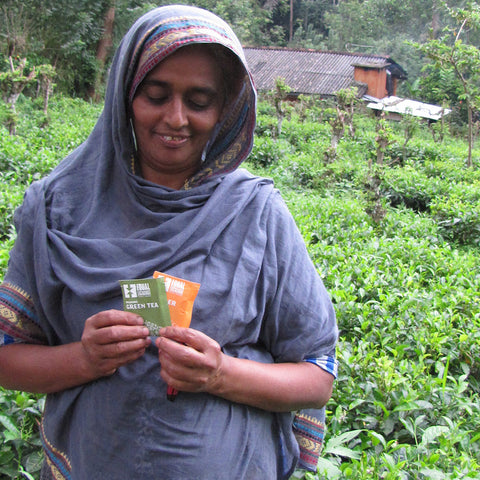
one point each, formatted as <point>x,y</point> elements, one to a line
<point>147,297</point>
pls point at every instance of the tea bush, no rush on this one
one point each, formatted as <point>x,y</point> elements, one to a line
<point>405,286</point>
<point>458,215</point>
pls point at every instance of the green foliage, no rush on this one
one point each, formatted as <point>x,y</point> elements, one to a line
<point>406,404</point>
<point>458,216</point>
<point>34,151</point>
<point>20,453</point>
<point>450,55</point>
<point>66,33</point>
<point>405,288</point>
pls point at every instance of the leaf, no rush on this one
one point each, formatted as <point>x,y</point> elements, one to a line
<point>34,461</point>
<point>377,438</point>
<point>329,469</point>
<point>26,474</point>
<point>432,433</point>
<point>10,426</point>
<point>343,438</point>
<point>433,474</point>
<point>343,452</point>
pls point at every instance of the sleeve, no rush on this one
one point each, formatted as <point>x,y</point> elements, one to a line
<point>18,318</point>
<point>309,430</point>
<point>328,363</point>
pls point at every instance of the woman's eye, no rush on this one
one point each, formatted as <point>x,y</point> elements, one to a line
<point>154,94</point>
<point>198,105</point>
<point>201,101</point>
<point>157,99</point>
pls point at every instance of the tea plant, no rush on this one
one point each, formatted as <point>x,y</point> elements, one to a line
<point>406,404</point>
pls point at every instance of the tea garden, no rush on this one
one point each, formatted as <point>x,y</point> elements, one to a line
<point>397,244</point>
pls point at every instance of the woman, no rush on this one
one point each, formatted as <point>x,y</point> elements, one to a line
<point>156,187</point>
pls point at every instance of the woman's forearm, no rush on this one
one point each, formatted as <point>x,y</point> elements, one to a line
<point>274,387</point>
<point>42,369</point>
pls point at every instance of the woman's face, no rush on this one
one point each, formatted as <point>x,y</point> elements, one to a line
<point>174,112</point>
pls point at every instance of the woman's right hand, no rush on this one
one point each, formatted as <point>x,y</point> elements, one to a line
<point>113,338</point>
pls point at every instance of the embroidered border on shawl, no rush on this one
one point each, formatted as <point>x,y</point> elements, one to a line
<point>58,461</point>
<point>309,432</point>
<point>18,321</point>
<point>227,159</point>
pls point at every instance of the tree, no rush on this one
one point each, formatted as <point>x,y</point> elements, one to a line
<point>278,95</point>
<point>15,29</point>
<point>12,83</point>
<point>343,119</point>
<point>382,140</point>
<point>249,20</point>
<point>450,54</point>
<point>104,46</point>
<point>409,124</point>
<point>45,76</point>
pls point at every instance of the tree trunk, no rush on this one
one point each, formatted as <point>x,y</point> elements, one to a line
<point>435,20</point>
<point>48,90</point>
<point>290,35</point>
<point>103,49</point>
<point>470,136</point>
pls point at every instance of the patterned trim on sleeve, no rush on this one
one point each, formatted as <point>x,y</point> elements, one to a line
<point>309,432</point>
<point>325,362</point>
<point>18,320</point>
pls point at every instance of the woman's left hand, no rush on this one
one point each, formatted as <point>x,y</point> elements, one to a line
<point>191,361</point>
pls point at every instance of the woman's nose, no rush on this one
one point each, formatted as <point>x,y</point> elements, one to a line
<point>176,116</point>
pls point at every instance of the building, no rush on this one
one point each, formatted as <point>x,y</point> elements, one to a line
<point>314,72</point>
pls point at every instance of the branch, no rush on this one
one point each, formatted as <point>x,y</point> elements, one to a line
<point>460,30</point>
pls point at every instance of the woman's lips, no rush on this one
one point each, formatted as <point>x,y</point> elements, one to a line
<point>174,140</point>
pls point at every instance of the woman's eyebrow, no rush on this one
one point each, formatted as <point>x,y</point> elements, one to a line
<point>195,89</point>
<point>209,91</point>
<point>155,83</point>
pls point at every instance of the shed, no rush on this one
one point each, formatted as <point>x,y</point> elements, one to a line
<point>315,72</point>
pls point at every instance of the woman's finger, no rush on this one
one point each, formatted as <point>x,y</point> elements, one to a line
<point>109,318</point>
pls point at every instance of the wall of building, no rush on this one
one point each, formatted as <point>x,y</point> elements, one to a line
<point>376,79</point>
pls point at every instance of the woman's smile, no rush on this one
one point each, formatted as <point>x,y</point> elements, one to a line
<point>174,113</point>
<point>174,141</point>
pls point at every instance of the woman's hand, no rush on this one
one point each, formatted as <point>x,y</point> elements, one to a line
<point>191,361</point>
<point>111,339</point>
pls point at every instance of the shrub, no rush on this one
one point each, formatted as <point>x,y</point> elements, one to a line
<point>267,151</point>
<point>20,445</point>
<point>458,217</point>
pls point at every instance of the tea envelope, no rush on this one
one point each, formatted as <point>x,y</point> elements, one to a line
<point>147,297</point>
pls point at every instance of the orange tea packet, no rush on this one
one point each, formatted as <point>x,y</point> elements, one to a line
<point>180,297</point>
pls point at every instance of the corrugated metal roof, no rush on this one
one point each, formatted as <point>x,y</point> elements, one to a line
<point>404,106</point>
<point>308,71</point>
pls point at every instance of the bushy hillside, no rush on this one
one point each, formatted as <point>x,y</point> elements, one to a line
<point>398,247</point>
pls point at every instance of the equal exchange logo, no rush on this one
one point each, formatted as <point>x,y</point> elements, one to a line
<point>147,298</point>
